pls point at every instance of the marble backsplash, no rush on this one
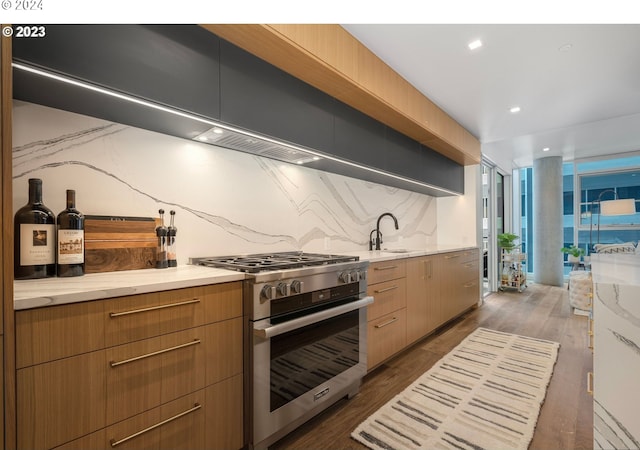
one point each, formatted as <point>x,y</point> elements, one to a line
<point>226,202</point>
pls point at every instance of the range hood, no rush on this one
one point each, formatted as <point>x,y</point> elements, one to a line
<point>254,144</point>
<point>36,85</point>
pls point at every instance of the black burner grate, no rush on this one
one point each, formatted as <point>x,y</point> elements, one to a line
<point>262,262</point>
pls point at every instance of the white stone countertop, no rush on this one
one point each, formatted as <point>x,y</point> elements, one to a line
<point>57,291</point>
<point>95,286</point>
<point>623,269</point>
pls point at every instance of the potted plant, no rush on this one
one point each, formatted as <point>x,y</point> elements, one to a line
<point>506,242</point>
<point>573,253</point>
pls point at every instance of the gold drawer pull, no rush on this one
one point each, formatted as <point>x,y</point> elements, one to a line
<point>385,268</point>
<point>451,256</point>
<point>388,322</point>
<point>159,352</point>
<point>153,308</point>
<point>590,327</point>
<point>590,343</point>
<point>590,383</point>
<point>468,285</point>
<point>380,291</point>
<point>471,264</point>
<point>196,407</point>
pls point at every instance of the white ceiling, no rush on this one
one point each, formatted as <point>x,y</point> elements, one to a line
<point>581,102</point>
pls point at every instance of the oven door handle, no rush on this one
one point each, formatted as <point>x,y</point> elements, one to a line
<point>281,328</point>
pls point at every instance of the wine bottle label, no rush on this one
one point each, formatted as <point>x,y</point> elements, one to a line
<point>70,246</point>
<point>37,244</point>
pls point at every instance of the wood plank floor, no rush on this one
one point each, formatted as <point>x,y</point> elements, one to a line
<point>566,417</point>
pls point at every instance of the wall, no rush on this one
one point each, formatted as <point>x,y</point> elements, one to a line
<point>459,216</point>
<point>226,202</point>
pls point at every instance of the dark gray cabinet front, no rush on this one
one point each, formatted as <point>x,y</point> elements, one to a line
<point>260,97</point>
<point>175,65</point>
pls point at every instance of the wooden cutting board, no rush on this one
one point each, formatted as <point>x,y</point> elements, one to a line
<point>114,243</point>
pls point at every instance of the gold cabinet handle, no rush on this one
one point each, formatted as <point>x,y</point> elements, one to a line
<point>591,338</point>
<point>590,383</point>
<point>388,322</point>
<point>590,327</point>
<point>385,267</point>
<point>471,284</point>
<point>380,291</point>
<point>196,407</point>
<point>153,308</point>
<point>451,256</point>
<point>428,269</point>
<point>159,352</point>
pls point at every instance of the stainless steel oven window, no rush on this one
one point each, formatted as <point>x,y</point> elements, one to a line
<point>303,359</point>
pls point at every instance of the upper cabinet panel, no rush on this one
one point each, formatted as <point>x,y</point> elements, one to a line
<point>177,65</point>
<point>259,97</point>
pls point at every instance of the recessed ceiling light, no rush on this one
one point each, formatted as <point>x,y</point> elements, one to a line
<point>546,149</point>
<point>203,138</point>
<point>475,44</point>
<point>514,109</point>
<point>218,130</point>
<point>565,47</point>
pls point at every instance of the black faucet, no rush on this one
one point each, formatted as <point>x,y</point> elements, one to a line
<point>372,239</point>
<point>378,234</point>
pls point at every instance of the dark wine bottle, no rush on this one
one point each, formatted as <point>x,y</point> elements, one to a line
<point>34,237</point>
<point>70,239</point>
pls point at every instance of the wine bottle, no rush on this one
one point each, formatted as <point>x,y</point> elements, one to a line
<point>34,237</point>
<point>70,239</point>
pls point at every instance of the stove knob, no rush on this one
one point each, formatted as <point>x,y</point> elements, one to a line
<point>345,277</point>
<point>268,292</point>
<point>363,275</point>
<point>297,286</point>
<point>355,276</point>
<point>284,289</point>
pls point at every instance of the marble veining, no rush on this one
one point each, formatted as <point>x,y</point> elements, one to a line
<point>616,354</point>
<point>226,202</point>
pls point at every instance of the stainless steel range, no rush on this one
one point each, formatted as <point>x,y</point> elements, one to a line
<point>306,335</point>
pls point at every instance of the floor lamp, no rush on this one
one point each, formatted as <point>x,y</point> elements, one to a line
<point>615,207</point>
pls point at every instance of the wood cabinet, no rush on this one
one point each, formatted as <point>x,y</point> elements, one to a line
<point>424,313</point>
<point>440,288</point>
<point>93,373</point>
<point>460,282</point>
<point>414,296</point>
<point>386,317</point>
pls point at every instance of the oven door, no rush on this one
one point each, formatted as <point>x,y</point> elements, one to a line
<point>303,365</point>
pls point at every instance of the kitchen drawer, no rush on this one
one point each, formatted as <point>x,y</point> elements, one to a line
<point>222,301</point>
<point>470,255</point>
<point>55,332</point>
<point>60,400</point>
<point>469,270</point>
<point>223,350</point>
<point>179,424</point>
<point>136,317</point>
<point>144,374</point>
<point>388,296</point>
<point>386,336</point>
<point>385,271</point>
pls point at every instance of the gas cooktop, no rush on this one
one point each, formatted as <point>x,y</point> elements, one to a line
<point>261,262</point>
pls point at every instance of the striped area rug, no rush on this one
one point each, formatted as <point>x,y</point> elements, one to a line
<point>484,394</point>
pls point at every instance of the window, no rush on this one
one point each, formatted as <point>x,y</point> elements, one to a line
<point>608,185</point>
<point>613,178</point>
